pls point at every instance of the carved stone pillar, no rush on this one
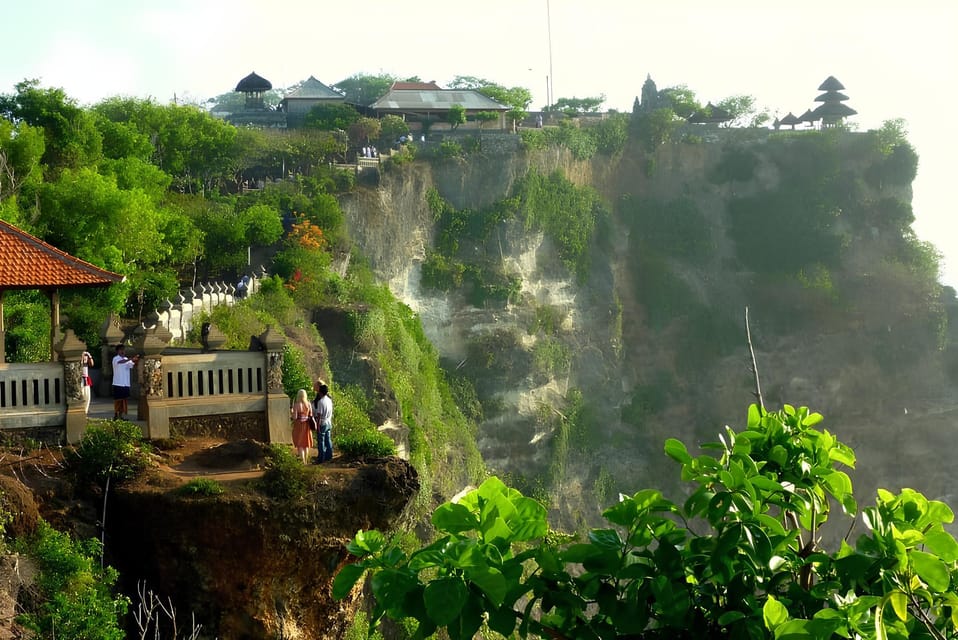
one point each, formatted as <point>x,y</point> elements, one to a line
<point>152,403</point>
<point>70,349</point>
<point>277,402</point>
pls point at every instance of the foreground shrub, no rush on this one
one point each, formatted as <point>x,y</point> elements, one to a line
<point>368,444</point>
<point>72,595</point>
<point>286,478</point>
<point>109,450</point>
<point>739,558</point>
<point>201,487</point>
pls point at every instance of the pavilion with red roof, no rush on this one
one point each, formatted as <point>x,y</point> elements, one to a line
<point>26,262</point>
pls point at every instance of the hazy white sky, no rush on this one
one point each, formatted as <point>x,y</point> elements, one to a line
<point>897,59</point>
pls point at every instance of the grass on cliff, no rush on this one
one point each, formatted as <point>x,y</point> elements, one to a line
<point>442,440</point>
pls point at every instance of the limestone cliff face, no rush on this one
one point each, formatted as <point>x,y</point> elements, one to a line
<point>657,338</point>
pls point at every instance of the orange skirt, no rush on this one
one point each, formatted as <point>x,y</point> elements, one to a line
<point>302,436</point>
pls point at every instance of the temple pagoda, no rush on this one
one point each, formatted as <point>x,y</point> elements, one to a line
<point>832,110</point>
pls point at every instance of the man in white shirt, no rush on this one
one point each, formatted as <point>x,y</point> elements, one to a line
<point>121,381</point>
<point>323,410</point>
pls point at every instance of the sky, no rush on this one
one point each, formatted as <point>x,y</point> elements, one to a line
<point>896,59</point>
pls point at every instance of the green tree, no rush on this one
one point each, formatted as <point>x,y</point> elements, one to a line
<point>87,215</point>
<point>738,558</point>
<point>72,138</point>
<point>364,130</point>
<point>365,89</point>
<point>610,134</point>
<point>655,128</point>
<point>330,117</point>
<point>391,127</point>
<point>681,100</point>
<point>743,111</point>
<point>482,117</point>
<point>195,148</point>
<point>456,115</point>
<point>517,99</point>
<point>21,150</point>
<point>577,106</point>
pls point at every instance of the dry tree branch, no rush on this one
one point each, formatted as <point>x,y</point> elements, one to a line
<point>753,366</point>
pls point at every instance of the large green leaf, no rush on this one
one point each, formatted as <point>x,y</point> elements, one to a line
<point>577,553</point>
<point>502,621</point>
<point>899,602</point>
<point>774,613</point>
<point>940,512</point>
<point>491,581</point>
<point>931,569</point>
<point>391,585</point>
<point>606,539</point>
<point>942,543</point>
<point>530,521</point>
<point>454,518</point>
<point>444,599</point>
<point>794,630</point>
<point>366,542</point>
<point>345,580</point>
<point>676,450</point>
<point>754,416</point>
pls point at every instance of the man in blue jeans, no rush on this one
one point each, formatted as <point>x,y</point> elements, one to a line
<point>323,410</point>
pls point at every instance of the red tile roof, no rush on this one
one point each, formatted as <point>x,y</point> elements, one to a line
<point>27,262</point>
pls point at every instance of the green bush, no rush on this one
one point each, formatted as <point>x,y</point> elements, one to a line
<point>551,357</point>
<point>449,149</point>
<point>441,273</point>
<point>110,449</point>
<point>201,487</point>
<point>351,414</point>
<point>610,134</point>
<point>28,326</point>
<point>295,374</point>
<point>286,477</point>
<point>74,596</point>
<point>548,320</point>
<point>369,444</point>
<point>567,214</point>
<point>741,555</point>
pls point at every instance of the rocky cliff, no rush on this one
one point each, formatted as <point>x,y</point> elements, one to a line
<point>812,233</point>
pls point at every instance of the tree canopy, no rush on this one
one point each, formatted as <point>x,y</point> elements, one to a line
<point>364,88</point>
<point>575,106</point>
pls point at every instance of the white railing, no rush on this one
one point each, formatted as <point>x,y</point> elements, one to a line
<point>213,383</point>
<point>32,395</point>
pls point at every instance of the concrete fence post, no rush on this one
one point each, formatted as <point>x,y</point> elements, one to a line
<point>277,402</point>
<point>70,349</point>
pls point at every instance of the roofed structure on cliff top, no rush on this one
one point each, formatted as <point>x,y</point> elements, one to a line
<point>425,99</point>
<point>310,93</point>
<point>31,263</point>
<point>255,111</point>
<point>832,111</point>
<point>710,115</point>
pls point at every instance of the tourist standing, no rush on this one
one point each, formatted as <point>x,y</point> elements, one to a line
<point>122,366</point>
<point>301,412</point>
<point>323,410</point>
<point>86,361</point>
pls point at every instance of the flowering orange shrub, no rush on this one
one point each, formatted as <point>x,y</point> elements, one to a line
<point>306,235</point>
